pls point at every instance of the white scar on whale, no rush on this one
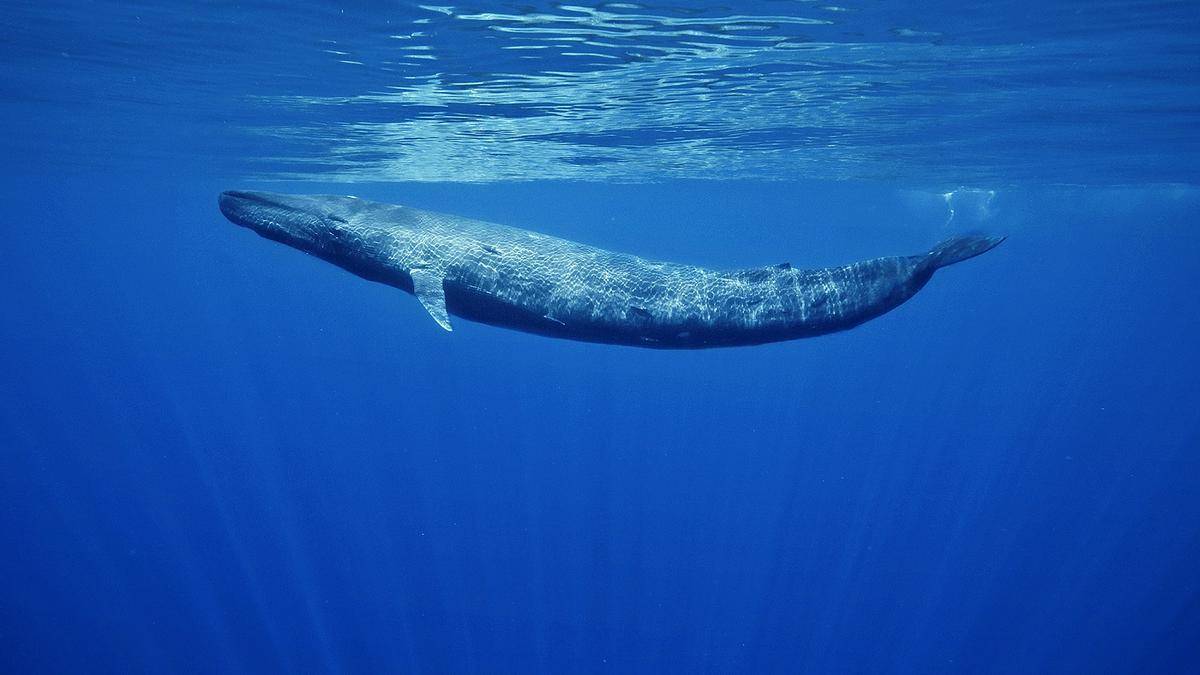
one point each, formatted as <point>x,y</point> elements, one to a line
<point>513,278</point>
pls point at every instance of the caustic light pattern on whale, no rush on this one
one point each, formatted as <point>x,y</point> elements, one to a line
<point>514,278</point>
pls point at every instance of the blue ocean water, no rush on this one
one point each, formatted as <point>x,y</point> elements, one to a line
<point>220,455</point>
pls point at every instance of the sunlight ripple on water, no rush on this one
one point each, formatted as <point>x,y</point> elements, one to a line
<point>935,96</point>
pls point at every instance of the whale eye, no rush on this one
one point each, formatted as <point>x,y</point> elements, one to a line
<point>337,219</point>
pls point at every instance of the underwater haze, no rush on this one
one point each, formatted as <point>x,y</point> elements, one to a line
<point>220,455</point>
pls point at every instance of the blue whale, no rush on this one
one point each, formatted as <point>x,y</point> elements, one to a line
<point>514,278</point>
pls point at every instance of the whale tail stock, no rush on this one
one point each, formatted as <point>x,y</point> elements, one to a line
<point>960,248</point>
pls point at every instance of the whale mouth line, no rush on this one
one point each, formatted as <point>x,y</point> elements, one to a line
<point>250,209</point>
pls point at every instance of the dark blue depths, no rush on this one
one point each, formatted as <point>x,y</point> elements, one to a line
<point>221,455</point>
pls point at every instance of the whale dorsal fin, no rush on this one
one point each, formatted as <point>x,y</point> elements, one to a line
<point>427,286</point>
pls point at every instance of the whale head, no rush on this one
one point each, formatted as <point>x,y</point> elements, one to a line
<point>317,224</point>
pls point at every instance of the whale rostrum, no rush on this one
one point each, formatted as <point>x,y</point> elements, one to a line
<point>515,278</point>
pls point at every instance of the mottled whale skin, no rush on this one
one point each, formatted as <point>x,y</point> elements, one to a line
<point>514,278</point>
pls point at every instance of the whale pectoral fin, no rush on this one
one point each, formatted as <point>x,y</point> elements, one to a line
<point>427,285</point>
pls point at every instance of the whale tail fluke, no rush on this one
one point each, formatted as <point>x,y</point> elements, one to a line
<point>960,248</point>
